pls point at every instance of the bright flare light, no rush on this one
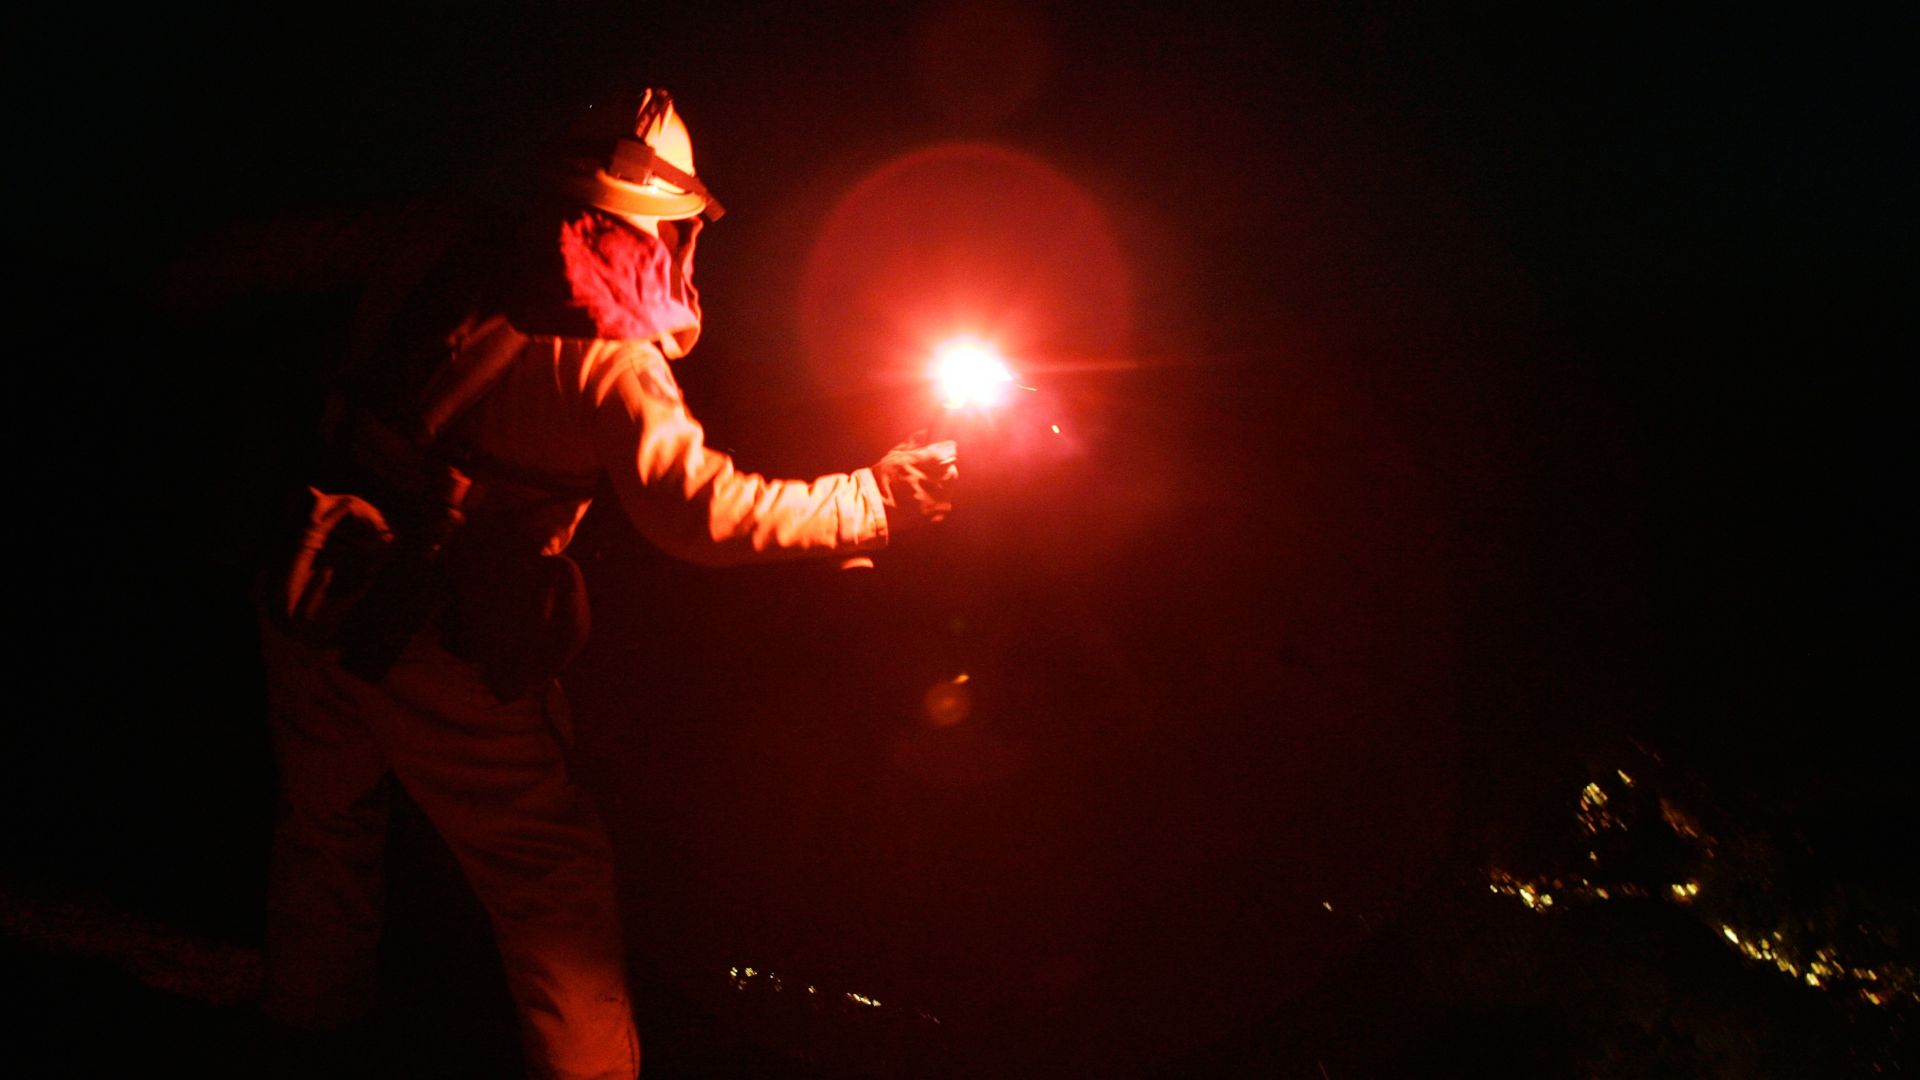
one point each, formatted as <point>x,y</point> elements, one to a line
<point>970,372</point>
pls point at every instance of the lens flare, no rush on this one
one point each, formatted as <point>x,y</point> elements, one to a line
<point>949,701</point>
<point>969,371</point>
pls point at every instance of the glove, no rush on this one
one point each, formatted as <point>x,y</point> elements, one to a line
<point>916,482</point>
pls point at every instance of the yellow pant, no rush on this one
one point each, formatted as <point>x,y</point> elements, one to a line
<point>493,780</point>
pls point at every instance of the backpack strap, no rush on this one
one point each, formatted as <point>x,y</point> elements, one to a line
<point>407,592</point>
<point>406,455</point>
<point>481,355</point>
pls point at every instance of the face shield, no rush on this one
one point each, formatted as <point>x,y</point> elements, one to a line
<point>679,238</point>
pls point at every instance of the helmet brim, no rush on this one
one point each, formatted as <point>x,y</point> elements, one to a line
<point>608,192</point>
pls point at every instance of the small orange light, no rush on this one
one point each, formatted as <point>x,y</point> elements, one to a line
<point>970,372</point>
<point>948,701</point>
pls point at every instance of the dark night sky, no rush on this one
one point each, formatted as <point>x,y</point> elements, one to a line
<point>1501,390</point>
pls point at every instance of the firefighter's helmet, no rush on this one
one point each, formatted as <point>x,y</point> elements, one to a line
<point>631,155</point>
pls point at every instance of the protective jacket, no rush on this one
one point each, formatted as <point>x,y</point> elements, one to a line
<point>569,410</point>
<point>570,334</point>
<point>582,315</point>
<point>575,406</point>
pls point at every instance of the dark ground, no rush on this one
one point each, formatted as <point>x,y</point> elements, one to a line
<point>1514,403</point>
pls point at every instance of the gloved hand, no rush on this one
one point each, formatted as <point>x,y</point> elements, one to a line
<point>916,481</point>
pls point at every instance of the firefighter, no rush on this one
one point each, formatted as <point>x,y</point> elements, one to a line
<point>416,621</point>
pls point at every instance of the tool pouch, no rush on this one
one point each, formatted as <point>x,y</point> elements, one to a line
<point>521,616</point>
<point>342,547</point>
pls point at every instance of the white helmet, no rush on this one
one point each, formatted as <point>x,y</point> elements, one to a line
<point>631,155</point>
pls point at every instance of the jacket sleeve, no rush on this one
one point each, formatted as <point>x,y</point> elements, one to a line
<point>690,499</point>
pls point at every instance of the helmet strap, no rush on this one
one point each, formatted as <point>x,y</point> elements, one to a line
<point>635,161</point>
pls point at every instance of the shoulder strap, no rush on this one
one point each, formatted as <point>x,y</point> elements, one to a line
<point>481,355</point>
<point>404,452</point>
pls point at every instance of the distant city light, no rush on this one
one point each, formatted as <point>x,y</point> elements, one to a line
<point>759,980</point>
<point>1814,965</point>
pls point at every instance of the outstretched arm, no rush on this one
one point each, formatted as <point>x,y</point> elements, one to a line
<point>694,503</point>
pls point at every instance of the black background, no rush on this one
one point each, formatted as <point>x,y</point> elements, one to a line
<point>1510,392</point>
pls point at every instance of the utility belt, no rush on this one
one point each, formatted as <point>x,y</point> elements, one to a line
<point>422,543</point>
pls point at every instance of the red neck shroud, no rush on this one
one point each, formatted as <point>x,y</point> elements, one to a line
<point>630,283</point>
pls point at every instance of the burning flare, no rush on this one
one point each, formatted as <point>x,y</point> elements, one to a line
<point>969,371</point>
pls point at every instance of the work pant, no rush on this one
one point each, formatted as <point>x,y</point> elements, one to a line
<point>492,779</point>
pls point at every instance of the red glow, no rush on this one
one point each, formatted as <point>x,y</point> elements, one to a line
<point>967,238</point>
